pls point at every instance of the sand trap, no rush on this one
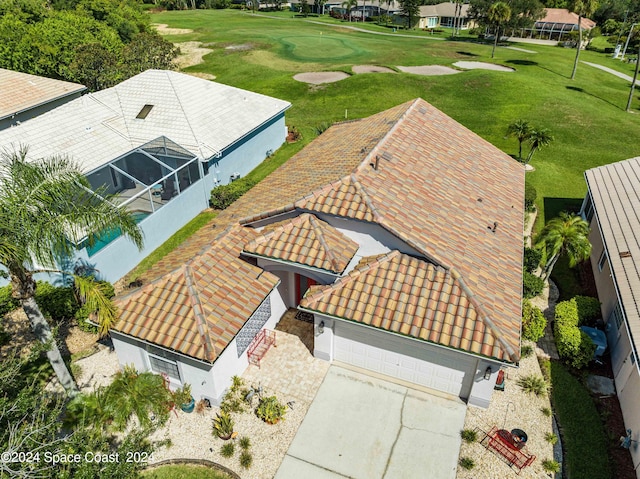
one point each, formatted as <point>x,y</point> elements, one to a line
<point>429,70</point>
<point>371,69</point>
<point>191,53</point>
<point>482,66</point>
<point>316,78</point>
<point>239,48</point>
<point>163,29</point>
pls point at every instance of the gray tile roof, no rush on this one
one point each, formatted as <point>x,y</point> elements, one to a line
<point>202,116</point>
<point>615,191</point>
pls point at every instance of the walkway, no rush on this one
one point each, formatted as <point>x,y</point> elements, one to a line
<point>612,71</point>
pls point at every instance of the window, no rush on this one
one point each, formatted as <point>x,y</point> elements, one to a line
<point>602,261</point>
<point>587,210</point>
<point>616,315</point>
<point>159,366</point>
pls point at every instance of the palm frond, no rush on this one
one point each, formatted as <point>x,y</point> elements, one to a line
<point>94,295</point>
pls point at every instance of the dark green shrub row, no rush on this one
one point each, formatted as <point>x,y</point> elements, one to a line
<point>533,322</point>
<point>532,285</point>
<point>222,196</point>
<point>530,196</point>
<point>574,346</point>
<point>588,309</point>
<point>532,258</point>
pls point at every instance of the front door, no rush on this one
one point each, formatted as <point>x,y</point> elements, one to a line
<point>302,285</point>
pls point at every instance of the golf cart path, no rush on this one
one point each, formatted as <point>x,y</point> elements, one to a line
<point>612,71</point>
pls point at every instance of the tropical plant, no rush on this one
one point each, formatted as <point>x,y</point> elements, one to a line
<point>532,384</point>
<point>270,410</point>
<point>521,130</point>
<point>498,13</point>
<point>46,207</point>
<point>228,449</point>
<point>233,400</point>
<point>551,438</point>
<point>584,8</point>
<point>566,234</point>
<point>550,465</point>
<point>349,5</point>
<point>467,463</point>
<point>546,412</point>
<point>246,459</point>
<point>223,425</point>
<point>183,395</point>
<point>245,442</point>
<point>469,435</point>
<point>532,258</point>
<point>526,351</point>
<point>538,138</point>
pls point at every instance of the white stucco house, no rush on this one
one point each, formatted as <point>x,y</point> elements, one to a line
<point>160,141</point>
<point>611,207</point>
<point>399,236</point>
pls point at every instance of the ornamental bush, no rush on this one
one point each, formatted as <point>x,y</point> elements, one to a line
<point>222,196</point>
<point>7,302</point>
<point>533,322</point>
<point>56,302</point>
<point>532,258</point>
<point>574,346</point>
<point>532,285</point>
<point>530,196</point>
<point>588,309</point>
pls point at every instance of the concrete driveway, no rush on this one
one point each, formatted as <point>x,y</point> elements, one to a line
<point>359,426</point>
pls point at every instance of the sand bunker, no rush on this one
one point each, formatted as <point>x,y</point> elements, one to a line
<point>316,78</point>
<point>163,29</point>
<point>191,53</point>
<point>371,69</point>
<point>429,70</point>
<point>482,66</point>
<point>240,48</point>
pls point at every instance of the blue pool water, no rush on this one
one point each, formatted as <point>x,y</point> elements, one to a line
<point>109,235</point>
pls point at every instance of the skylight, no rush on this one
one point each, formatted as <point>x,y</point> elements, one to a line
<point>144,112</point>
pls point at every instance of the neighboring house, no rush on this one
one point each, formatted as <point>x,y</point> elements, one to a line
<point>160,141</point>
<point>611,206</point>
<point>556,24</point>
<point>399,236</point>
<point>24,96</point>
<point>444,15</point>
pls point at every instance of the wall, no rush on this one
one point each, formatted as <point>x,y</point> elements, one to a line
<point>482,389</point>
<point>628,397</point>
<point>247,153</point>
<point>603,279</point>
<point>276,266</point>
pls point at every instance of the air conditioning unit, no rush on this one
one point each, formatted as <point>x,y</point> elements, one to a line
<point>234,176</point>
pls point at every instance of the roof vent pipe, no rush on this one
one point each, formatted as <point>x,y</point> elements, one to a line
<point>374,163</point>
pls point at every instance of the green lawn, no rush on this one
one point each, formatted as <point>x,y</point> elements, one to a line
<point>586,116</point>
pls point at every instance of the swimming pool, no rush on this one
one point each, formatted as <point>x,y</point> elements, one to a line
<point>111,234</point>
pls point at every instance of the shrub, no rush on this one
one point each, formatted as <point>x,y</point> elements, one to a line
<point>550,465</point>
<point>530,196</point>
<point>222,196</point>
<point>532,285</point>
<point>246,459</point>
<point>533,322</point>
<point>546,411</point>
<point>233,400</point>
<point>551,438</point>
<point>223,425</point>
<point>245,442</point>
<point>228,449</point>
<point>533,384</point>
<point>467,463</point>
<point>469,435</point>
<point>574,346</point>
<point>526,351</point>
<point>588,309</point>
<point>545,368</point>
<point>7,302</point>
<point>270,410</point>
<point>532,258</point>
<point>56,302</point>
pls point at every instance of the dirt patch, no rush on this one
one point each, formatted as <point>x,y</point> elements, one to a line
<point>429,70</point>
<point>371,69</point>
<point>317,78</point>
<point>243,47</point>
<point>191,53</point>
<point>164,29</point>
<point>482,66</point>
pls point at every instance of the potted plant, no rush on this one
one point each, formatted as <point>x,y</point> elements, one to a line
<point>223,425</point>
<point>183,397</point>
<point>270,410</point>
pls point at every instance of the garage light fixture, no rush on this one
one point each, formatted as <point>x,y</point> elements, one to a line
<point>487,373</point>
<point>321,327</point>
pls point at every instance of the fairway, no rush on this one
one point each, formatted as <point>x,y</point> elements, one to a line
<point>586,116</point>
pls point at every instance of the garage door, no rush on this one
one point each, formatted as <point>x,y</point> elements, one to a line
<point>405,359</point>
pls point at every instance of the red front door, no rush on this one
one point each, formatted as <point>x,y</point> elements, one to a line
<point>302,285</point>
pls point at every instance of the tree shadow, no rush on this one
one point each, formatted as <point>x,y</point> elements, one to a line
<point>467,54</point>
<point>522,62</point>
<point>581,90</point>
<point>554,206</point>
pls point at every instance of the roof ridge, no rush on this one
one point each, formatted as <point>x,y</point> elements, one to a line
<point>283,228</point>
<point>319,232</point>
<point>201,322</point>
<point>482,314</point>
<point>366,198</point>
<point>147,286</point>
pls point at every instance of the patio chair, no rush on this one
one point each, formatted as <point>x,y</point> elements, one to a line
<point>168,191</point>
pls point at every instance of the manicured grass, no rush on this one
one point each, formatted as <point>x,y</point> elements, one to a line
<point>184,472</point>
<point>584,439</point>
<point>586,116</point>
<point>172,243</point>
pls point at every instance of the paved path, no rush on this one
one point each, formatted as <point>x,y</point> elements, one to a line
<point>612,71</point>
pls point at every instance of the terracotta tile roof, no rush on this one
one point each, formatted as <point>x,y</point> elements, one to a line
<point>396,292</point>
<point>200,307</point>
<point>562,15</point>
<point>305,240</point>
<point>444,190</point>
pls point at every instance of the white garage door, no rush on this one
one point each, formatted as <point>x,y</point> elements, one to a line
<point>404,359</point>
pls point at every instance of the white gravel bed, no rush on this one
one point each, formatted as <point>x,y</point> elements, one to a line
<point>191,437</point>
<point>97,369</point>
<point>510,409</point>
<point>482,66</point>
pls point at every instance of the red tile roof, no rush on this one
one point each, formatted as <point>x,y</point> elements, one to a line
<point>396,292</point>
<point>562,15</point>
<point>199,308</point>
<point>305,240</point>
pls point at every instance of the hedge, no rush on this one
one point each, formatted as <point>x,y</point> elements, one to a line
<point>588,309</point>
<point>533,322</point>
<point>532,285</point>
<point>530,196</point>
<point>56,302</point>
<point>532,258</point>
<point>222,196</point>
<point>574,346</point>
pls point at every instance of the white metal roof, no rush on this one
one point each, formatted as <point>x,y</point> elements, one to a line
<point>615,191</point>
<point>202,116</point>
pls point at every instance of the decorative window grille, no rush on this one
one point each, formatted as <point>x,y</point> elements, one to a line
<point>253,326</point>
<point>160,366</point>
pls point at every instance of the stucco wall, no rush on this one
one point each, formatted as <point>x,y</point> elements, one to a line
<point>604,281</point>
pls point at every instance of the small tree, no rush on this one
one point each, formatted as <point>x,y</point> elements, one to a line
<point>521,130</point>
<point>498,13</point>
<point>349,5</point>
<point>584,8</point>
<point>410,9</point>
<point>538,138</point>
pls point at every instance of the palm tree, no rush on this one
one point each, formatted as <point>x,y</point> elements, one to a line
<point>45,205</point>
<point>349,5</point>
<point>522,131</point>
<point>498,13</point>
<point>567,234</point>
<point>538,138</point>
<point>584,8</point>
